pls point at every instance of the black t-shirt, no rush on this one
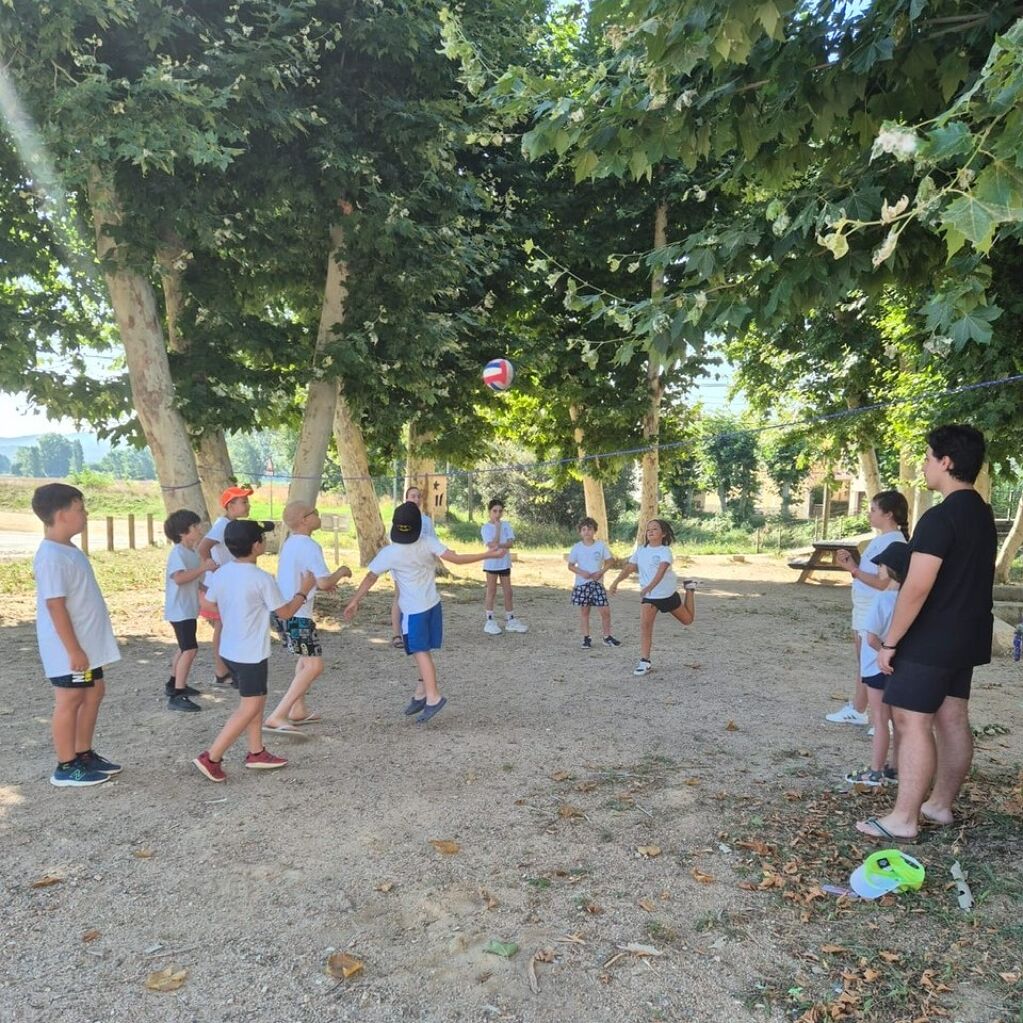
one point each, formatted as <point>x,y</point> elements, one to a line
<point>953,627</point>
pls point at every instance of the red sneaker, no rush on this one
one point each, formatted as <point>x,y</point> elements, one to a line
<point>264,760</point>
<point>213,771</point>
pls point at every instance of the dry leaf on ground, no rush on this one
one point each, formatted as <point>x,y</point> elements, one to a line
<point>731,727</point>
<point>143,854</point>
<point>701,876</point>
<point>566,810</point>
<point>90,935</point>
<point>648,851</point>
<point>342,965</point>
<point>489,901</point>
<point>561,775</point>
<point>648,904</point>
<point>593,908</point>
<point>169,979</point>
<point>447,846</point>
<point>46,880</point>
<point>384,886</point>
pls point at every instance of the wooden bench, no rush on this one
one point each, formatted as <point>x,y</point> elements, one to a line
<point>823,558</point>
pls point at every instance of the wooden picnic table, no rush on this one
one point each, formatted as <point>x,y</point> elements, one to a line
<point>823,557</point>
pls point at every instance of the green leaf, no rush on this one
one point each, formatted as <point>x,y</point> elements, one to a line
<point>953,139</point>
<point>1001,186</point>
<point>585,165</point>
<point>770,17</point>
<point>973,219</point>
<point>974,325</point>
<point>505,949</point>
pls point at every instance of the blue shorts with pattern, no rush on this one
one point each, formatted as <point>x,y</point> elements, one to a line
<point>589,594</point>
<point>299,635</point>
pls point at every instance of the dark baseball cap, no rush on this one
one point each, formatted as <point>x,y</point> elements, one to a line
<point>241,534</point>
<point>407,523</point>
<point>896,557</point>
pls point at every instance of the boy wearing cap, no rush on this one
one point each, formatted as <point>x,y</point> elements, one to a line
<point>409,559</point>
<point>245,595</point>
<point>892,563</point>
<point>301,553</point>
<point>415,495</point>
<point>235,503</point>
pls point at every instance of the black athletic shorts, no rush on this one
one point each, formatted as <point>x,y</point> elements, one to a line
<point>664,604</point>
<point>497,572</point>
<point>923,687</point>
<point>79,679</point>
<point>185,634</point>
<point>251,678</point>
<point>875,681</point>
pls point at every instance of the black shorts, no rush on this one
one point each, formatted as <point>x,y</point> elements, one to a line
<point>923,687</point>
<point>875,681</point>
<point>664,604</point>
<point>251,678</point>
<point>497,572</point>
<point>78,679</point>
<point>184,632</point>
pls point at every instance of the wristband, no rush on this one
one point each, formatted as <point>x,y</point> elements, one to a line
<point>885,646</point>
<point>305,596</point>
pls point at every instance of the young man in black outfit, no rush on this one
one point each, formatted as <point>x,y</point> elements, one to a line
<point>940,630</point>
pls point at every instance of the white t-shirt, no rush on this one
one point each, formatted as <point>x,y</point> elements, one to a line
<point>412,567</point>
<point>218,552</point>
<point>588,557</point>
<point>62,570</point>
<point>245,595</point>
<point>300,554</point>
<point>878,620</point>
<point>181,602</point>
<point>648,560</point>
<point>428,529</point>
<point>861,592</point>
<point>489,532</point>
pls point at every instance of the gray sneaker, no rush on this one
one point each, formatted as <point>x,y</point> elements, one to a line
<point>643,667</point>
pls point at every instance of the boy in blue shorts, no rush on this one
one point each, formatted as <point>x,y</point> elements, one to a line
<point>76,640</point>
<point>409,559</point>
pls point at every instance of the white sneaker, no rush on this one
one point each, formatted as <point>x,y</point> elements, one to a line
<point>690,584</point>
<point>870,732</point>
<point>492,628</point>
<point>515,625</point>
<point>848,715</point>
<point>642,668</point>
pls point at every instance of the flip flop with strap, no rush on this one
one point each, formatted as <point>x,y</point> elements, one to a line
<point>285,730</point>
<point>309,719</point>
<point>884,835</point>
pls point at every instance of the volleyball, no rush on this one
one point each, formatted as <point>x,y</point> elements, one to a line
<point>498,374</point>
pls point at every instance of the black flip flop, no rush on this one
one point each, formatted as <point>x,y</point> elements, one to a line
<point>885,836</point>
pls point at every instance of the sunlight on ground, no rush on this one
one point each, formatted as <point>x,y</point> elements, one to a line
<point>10,795</point>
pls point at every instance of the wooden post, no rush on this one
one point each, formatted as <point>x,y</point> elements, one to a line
<point>84,539</point>
<point>337,547</point>
<point>150,535</point>
<point>131,531</point>
<point>468,495</point>
<point>110,532</point>
<point>826,512</point>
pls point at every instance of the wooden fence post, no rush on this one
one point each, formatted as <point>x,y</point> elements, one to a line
<point>131,531</point>
<point>84,539</point>
<point>150,535</point>
<point>110,532</point>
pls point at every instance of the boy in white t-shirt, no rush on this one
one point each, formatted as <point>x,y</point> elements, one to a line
<point>410,560</point>
<point>498,534</point>
<point>301,553</point>
<point>659,592</point>
<point>235,503</point>
<point>415,495</point>
<point>245,596</point>
<point>588,560</point>
<point>76,640</point>
<point>181,602</point>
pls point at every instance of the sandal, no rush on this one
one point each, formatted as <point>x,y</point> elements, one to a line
<point>880,834</point>
<point>875,779</point>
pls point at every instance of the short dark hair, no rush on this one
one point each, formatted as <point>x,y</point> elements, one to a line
<point>495,502</point>
<point>241,535</point>
<point>51,498</point>
<point>409,489</point>
<point>178,523</point>
<point>964,445</point>
<point>587,521</point>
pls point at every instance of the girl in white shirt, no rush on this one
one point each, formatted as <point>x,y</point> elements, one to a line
<point>587,560</point>
<point>659,593</point>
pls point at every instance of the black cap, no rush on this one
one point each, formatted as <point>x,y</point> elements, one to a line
<point>896,557</point>
<point>241,534</point>
<point>407,523</point>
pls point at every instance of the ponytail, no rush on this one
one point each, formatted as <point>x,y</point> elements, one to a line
<point>891,502</point>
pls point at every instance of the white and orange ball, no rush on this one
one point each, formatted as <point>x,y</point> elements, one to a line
<point>498,374</point>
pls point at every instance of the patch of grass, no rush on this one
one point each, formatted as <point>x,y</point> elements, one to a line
<point>662,933</point>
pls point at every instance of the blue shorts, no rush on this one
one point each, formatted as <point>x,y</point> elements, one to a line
<point>424,631</point>
<point>875,681</point>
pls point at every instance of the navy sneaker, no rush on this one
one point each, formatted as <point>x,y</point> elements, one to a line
<point>415,706</point>
<point>429,712</point>
<point>180,701</point>
<point>74,775</point>
<point>587,643</point>
<point>169,689</point>
<point>611,641</point>
<point>90,760</point>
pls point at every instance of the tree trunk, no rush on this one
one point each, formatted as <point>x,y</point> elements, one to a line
<point>593,488</point>
<point>826,512</point>
<point>138,320</point>
<point>723,499</point>
<point>870,471</point>
<point>785,493</point>
<point>922,500</point>
<point>362,498</point>
<point>983,482</point>
<point>418,466</point>
<point>1010,545</point>
<point>213,461</point>
<point>322,395</point>
<point>652,418</point>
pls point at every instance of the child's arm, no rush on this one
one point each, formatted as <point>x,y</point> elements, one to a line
<point>77,657</point>
<point>851,565</point>
<point>306,585</point>
<point>627,569</point>
<point>873,641</point>
<point>206,545</point>
<point>364,587</point>
<point>658,576</point>
<point>185,575</point>
<point>576,570</point>
<point>329,582</point>
<point>467,559</point>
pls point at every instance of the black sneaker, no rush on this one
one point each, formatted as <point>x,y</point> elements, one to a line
<point>180,701</point>
<point>587,643</point>
<point>90,760</point>
<point>169,690</point>
<point>611,641</point>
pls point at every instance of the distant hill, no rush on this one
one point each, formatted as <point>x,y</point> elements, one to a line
<point>92,447</point>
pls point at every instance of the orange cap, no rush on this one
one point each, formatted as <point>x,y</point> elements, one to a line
<point>232,492</point>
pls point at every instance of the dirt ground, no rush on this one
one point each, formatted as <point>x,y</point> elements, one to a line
<point>590,809</point>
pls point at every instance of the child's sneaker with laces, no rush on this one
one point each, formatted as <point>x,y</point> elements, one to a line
<point>90,760</point>
<point>847,715</point>
<point>690,584</point>
<point>643,667</point>
<point>180,701</point>
<point>587,643</point>
<point>491,628</point>
<point>874,779</point>
<point>611,641</point>
<point>169,689</point>
<point>264,760</point>
<point>514,625</point>
<point>74,775</point>
<point>214,770</point>
<point>891,776</point>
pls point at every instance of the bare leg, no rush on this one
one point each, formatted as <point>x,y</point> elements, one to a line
<point>395,614</point>
<point>506,592</point>
<point>218,662</point>
<point>647,615</point>
<point>88,711</point>
<point>248,711</point>
<point>428,677</point>
<point>605,621</point>
<point>686,611</point>
<point>955,754</point>
<point>861,697</point>
<point>292,704</point>
<point>584,619</point>
<point>64,724</point>
<point>182,666</point>
<point>879,717</point>
<point>491,593</point>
